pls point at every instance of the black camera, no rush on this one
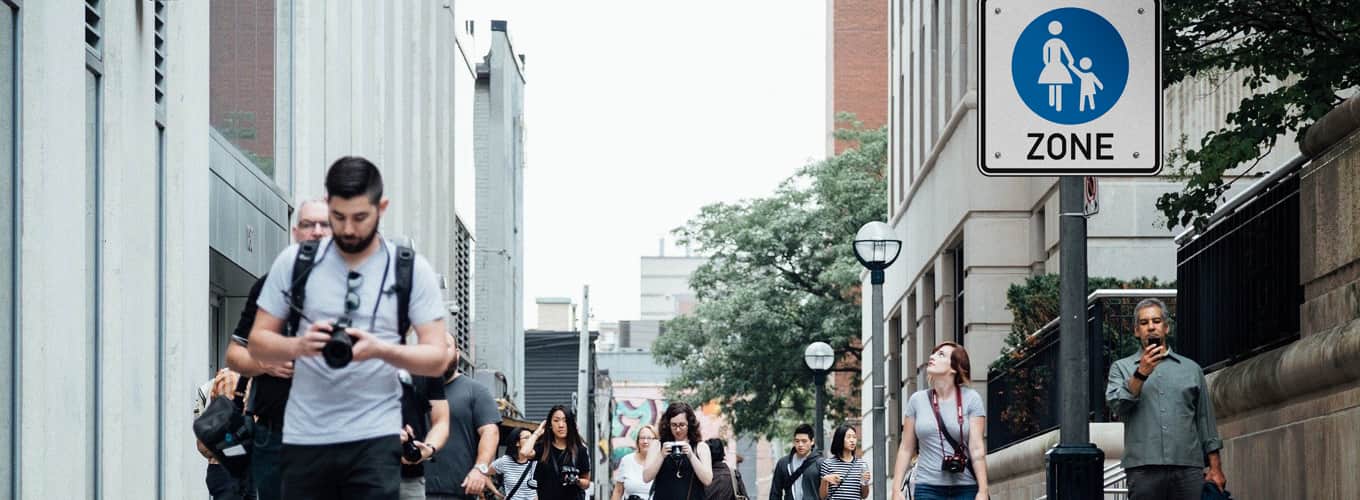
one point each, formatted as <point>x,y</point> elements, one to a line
<point>677,452</point>
<point>410,451</point>
<point>955,463</point>
<point>339,350</point>
<point>570,475</point>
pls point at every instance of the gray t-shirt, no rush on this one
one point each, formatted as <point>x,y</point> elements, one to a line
<point>932,445</point>
<point>470,407</point>
<point>361,400</point>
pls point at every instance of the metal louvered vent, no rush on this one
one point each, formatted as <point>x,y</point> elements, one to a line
<point>94,27</point>
<point>160,53</point>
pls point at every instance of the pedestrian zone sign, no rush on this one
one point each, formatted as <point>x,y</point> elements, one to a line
<point>1070,87</point>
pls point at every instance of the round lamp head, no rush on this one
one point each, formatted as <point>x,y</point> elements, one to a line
<point>876,246</point>
<point>819,356</point>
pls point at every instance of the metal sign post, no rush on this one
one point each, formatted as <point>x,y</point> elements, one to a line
<point>1071,88</point>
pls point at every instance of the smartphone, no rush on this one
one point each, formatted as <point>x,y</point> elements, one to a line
<point>1155,341</point>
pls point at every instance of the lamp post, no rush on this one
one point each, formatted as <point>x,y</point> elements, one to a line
<point>819,357</point>
<point>877,247</point>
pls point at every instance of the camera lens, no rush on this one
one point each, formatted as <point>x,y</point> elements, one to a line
<point>339,350</point>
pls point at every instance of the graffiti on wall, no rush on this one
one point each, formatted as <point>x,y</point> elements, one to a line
<point>632,411</point>
<point>629,417</point>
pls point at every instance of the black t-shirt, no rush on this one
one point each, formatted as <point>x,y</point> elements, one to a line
<point>270,393</point>
<point>555,467</point>
<point>676,480</point>
<point>415,412</point>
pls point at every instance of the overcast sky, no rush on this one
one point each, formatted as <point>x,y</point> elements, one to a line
<point>639,113</point>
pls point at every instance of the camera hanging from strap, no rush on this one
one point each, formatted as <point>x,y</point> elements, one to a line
<point>944,432</point>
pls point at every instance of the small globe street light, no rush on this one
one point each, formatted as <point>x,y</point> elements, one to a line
<point>819,357</point>
<point>877,247</point>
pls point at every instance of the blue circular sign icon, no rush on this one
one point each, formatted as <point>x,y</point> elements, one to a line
<point>1070,66</point>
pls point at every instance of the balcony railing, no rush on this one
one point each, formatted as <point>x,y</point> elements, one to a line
<point>1239,279</point>
<point>1022,400</point>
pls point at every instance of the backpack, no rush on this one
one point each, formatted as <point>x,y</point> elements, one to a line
<point>302,270</point>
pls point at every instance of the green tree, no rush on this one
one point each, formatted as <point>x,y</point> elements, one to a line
<point>781,274</point>
<point>1298,56</point>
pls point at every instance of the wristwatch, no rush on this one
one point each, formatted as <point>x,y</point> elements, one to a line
<point>482,468</point>
<point>1139,375</point>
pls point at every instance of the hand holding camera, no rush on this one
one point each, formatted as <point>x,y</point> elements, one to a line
<point>832,479</point>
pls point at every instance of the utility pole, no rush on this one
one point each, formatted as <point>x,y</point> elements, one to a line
<point>583,366</point>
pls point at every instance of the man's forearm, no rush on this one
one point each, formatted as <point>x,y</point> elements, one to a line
<point>487,439</point>
<point>270,347</point>
<point>422,359</point>
<point>240,360</point>
<point>1215,463</point>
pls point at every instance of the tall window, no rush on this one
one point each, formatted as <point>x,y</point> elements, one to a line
<point>244,81</point>
<point>958,294</point>
<point>9,174</point>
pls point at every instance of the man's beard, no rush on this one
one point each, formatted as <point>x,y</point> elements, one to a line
<point>363,243</point>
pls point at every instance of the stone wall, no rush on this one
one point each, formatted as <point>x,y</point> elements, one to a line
<point>1290,418</point>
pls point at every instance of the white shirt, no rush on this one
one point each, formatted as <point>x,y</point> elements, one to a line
<point>630,474</point>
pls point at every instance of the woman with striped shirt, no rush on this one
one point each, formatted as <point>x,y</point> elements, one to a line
<point>844,476</point>
<point>516,468</point>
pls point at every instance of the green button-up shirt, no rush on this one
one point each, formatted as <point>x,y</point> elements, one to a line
<point>1171,421</point>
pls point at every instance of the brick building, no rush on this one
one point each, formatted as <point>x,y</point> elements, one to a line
<point>857,64</point>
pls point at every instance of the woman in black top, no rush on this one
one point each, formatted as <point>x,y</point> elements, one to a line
<point>679,468</point>
<point>563,468</point>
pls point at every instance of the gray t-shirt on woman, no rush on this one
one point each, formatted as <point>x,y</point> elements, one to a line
<point>933,445</point>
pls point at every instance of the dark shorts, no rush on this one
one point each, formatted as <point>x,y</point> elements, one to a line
<point>358,470</point>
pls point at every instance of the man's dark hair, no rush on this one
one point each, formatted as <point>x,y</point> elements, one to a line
<point>352,176</point>
<point>804,429</point>
<point>718,449</point>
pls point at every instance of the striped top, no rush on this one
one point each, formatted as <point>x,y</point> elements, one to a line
<point>511,472</point>
<point>852,477</point>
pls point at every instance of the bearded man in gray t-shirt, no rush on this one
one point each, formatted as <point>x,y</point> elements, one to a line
<point>342,426</point>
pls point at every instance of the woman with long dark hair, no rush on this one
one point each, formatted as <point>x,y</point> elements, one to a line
<point>516,467</point>
<point>844,476</point>
<point>947,422</point>
<point>562,459</point>
<point>679,468</point>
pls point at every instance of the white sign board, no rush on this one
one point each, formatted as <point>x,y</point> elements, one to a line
<point>1070,87</point>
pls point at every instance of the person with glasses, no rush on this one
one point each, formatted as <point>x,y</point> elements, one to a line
<point>628,481</point>
<point>271,381</point>
<point>342,425</point>
<point>679,468</point>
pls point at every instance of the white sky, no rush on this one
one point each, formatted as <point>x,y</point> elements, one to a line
<point>641,112</point>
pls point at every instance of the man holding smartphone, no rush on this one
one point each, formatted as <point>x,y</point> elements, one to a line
<point>1171,440</point>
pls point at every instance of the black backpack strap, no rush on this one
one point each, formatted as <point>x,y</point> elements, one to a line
<point>406,266</point>
<point>239,395</point>
<point>302,269</point>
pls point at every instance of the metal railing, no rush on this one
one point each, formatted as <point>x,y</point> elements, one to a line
<point>1239,278</point>
<point>1021,400</point>
<point>1115,481</point>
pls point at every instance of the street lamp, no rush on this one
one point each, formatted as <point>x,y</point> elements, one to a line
<point>877,247</point>
<point>819,357</point>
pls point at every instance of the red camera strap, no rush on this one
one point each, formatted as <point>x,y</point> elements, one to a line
<point>958,403</point>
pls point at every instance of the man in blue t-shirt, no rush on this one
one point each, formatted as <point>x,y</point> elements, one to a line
<point>342,426</point>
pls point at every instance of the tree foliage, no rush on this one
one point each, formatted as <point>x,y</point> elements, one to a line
<point>780,275</point>
<point>1298,57</point>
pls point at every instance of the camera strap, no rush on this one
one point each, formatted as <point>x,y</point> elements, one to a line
<point>939,421</point>
<point>522,474</point>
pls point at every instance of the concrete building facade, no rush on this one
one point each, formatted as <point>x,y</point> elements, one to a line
<point>498,320</point>
<point>665,286</point>
<point>138,214</point>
